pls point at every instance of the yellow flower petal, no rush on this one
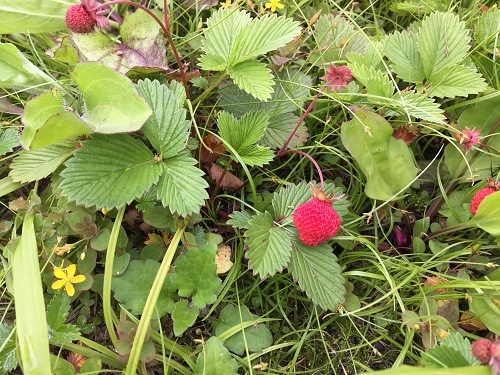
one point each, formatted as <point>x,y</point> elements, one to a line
<point>70,290</point>
<point>280,6</point>
<point>268,5</point>
<point>58,284</point>
<point>71,270</point>
<point>59,273</point>
<point>78,279</point>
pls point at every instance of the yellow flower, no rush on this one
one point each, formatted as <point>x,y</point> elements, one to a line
<point>68,278</point>
<point>226,4</point>
<point>273,4</point>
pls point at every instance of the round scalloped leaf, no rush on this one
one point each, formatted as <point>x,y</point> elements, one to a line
<point>195,274</point>
<point>215,359</point>
<point>184,316</point>
<point>109,171</point>
<point>113,104</point>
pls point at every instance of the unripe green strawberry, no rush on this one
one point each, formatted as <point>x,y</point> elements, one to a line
<point>316,220</point>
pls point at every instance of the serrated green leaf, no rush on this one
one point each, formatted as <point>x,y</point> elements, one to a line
<point>167,129</point>
<point>443,357</point>
<point>457,81</point>
<point>256,155</point>
<point>8,359</point>
<point>38,164</point>
<point>109,171</point>
<point>488,29</point>
<point>402,50</point>
<point>387,162</point>
<point>255,339</point>
<point>195,274</point>
<point>132,287</point>
<point>17,71</point>
<point>213,62</point>
<point>288,198</point>
<point>184,316</point>
<point>34,16</point>
<point>262,35</point>
<point>269,246</point>
<point>243,132</point>
<point>318,273</point>
<point>462,345</point>
<point>279,129</point>
<point>215,359</point>
<point>376,82</point>
<point>417,105</point>
<point>9,138</point>
<point>181,186</point>
<point>64,334</point>
<point>443,41</point>
<point>113,105</point>
<point>239,219</point>
<point>253,77</point>
<point>222,29</point>
<point>57,310</point>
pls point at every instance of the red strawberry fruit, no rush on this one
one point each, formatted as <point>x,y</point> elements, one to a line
<point>481,194</point>
<point>83,17</point>
<point>316,220</point>
<point>481,350</point>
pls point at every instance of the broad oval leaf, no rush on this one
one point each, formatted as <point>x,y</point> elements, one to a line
<point>113,104</point>
<point>269,246</point>
<point>318,273</point>
<point>109,171</point>
<point>387,162</point>
<point>33,16</point>
<point>215,359</point>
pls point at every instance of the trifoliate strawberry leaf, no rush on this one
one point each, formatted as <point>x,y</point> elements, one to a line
<point>416,105</point>
<point>243,132</point>
<point>109,171</point>
<point>132,287</point>
<point>167,129</point>
<point>57,313</point>
<point>279,129</point>
<point>195,274</point>
<point>255,339</point>
<point>387,162</point>
<point>215,359</point>
<point>184,316</point>
<point>318,273</point>
<point>222,29</point>
<point>402,50</point>
<point>38,164</point>
<point>112,103</point>
<point>262,35</point>
<point>181,186</point>
<point>443,41</point>
<point>9,138</point>
<point>253,77</point>
<point>455,81</point>
<point>487,29</point>
<point>377,83</point>
<point>269,245</point>
<point>256,155</point>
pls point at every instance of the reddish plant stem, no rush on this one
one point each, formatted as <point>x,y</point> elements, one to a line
<point>301,120</point>
<point>166,29</point>
<point>320,174</point>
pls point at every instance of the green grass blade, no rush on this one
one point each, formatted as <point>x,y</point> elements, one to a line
<point>31,321</point>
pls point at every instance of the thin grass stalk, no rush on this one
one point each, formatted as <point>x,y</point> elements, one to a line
<point>147,313</point>
<point>31,322</point>
<point>108,275</point>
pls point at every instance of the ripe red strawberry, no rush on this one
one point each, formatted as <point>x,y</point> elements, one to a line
<point>83,17</point>
<point>316,220</point>
<point>481,194</point>
<point>79,20</point>
<point>481,350</point>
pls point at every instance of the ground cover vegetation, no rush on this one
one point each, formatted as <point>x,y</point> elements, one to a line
<point>273,187</point>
